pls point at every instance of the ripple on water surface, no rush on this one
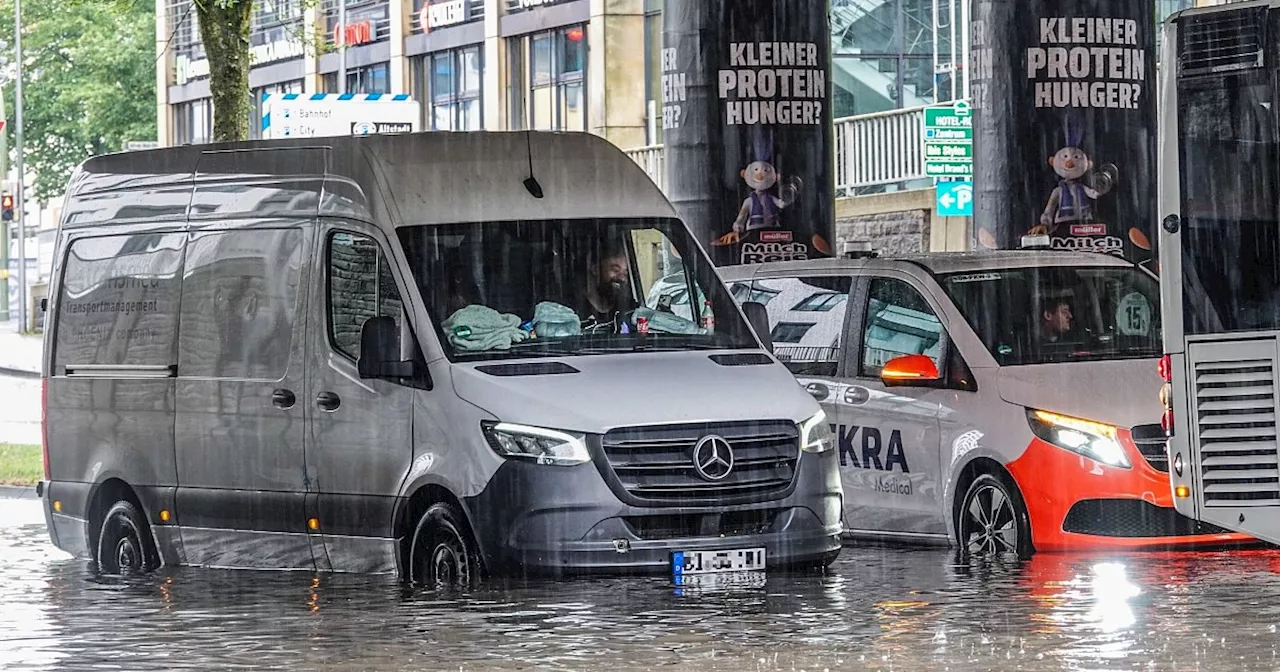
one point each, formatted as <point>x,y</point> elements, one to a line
<point>877,608</point>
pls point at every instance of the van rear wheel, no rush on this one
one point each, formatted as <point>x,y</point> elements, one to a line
<point>992,522</point>
<point>124,542</point>
<point>443,557</point>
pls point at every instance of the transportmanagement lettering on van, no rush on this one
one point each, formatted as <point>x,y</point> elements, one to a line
<point>126,307</point>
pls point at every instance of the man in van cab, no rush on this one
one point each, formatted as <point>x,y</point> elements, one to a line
<point>608,287</point>
<point>1056,319</point>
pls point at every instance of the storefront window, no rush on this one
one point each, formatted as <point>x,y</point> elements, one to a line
<point>193,122</point>
<point>367,21</point>
<point>550,93</point>
<point>369,79</point>
<point>450,84</point>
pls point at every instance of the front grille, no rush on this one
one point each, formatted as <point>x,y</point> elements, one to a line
<point>1132,518</point>
<point>1151,442</point>
<point>680,526</point>
<point>654,465</point>
<point>1221,42</point>
<point>1236,419</point>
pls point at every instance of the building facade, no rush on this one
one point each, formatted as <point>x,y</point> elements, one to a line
<point>470,64</point>
<point>590,65</point>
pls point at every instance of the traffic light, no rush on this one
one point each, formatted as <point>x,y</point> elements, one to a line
<point>6,207</point>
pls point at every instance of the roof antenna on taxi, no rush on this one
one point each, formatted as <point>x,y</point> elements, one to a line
<point>531,182</point>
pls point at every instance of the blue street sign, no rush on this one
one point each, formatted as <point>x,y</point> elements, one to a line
<point>955,199</point>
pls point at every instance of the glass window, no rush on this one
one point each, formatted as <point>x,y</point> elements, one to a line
<point>553,94</point>
<point>806,339</point>
<point>899,322</point>
<point>566,287</point>
<point>451,89</point>
<point>442,82</point>
<point>361,286</point>
<point>743,292</point>
<point>472,71</point>
<point>542,60</point>
<point>368,79</point>
<point>791,332</point>
<point>663,281</point>
<point>119,301</point>
<point>239,303</point>
<point>1043,315</point>
<point>1230,220</point>
<point>821,302</point>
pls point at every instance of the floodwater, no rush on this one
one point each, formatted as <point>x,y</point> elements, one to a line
<point>877,608</point>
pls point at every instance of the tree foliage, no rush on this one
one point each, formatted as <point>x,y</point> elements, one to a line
<point>89,84</point>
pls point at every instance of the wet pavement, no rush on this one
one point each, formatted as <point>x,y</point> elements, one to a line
<point>877,608</point>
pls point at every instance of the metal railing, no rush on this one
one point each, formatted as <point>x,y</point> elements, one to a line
<point>651,158</point>
<point>871,150</point>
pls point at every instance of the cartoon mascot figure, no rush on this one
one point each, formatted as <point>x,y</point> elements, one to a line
<point>1072,200</point>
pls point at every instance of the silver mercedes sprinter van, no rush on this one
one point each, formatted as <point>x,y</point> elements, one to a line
<point>427,354</point>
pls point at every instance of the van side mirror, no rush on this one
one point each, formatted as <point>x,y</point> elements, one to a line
<point>910,370</point>
<point>758,317</point>
<point>380,350</point>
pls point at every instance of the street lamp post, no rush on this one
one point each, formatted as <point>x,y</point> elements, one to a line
<point>341,35</point>
<point>19,191</point>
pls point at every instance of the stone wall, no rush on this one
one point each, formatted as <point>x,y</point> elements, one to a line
<point>900,222</point>
<point>890,233</point>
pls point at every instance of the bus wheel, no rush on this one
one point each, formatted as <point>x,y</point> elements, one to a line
<point>992,522</point>
<point>443,556</point>
<point>124,546</point>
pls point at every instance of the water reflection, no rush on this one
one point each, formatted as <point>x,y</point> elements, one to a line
<point>879,608</point>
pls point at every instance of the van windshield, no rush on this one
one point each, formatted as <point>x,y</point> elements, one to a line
<point>518,289</point>
<point>1057,314</point>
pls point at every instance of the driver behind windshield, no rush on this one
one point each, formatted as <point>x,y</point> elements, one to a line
<point>1056,319</point>
<point>607,290</point>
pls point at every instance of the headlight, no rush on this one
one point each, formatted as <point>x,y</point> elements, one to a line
<point>536,444</point>
<point>815,434</point>
<point>1092,439</point>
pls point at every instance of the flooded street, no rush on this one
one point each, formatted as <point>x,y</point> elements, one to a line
<point>878,608</point>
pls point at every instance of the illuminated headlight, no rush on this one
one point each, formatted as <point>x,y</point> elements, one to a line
<point>536,444</point>
<point>816,435</point>
<point>1094,440</point>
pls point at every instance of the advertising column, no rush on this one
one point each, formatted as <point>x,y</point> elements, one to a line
<point>1064,107</point>
<point>747,122</point>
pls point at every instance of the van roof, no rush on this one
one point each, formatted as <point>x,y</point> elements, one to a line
<point>397,179</point>
<point>938,262</point>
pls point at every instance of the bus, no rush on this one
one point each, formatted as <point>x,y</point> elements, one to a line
<point>1219,199</point>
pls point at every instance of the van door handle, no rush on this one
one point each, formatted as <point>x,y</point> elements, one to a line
<point>328,401</point>
<point>857,395</point>
<point>283,398</point>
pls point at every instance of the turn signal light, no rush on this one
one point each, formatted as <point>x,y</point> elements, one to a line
<point>1166,395</point>
<point>1182,492</point>
<point>1166,369</point>
<point>313,523</point>
<point>164,515</point>
<point>57,505</point>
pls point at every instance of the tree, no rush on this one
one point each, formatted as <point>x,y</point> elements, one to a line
<point>89,83</point>
<point>224,29</point>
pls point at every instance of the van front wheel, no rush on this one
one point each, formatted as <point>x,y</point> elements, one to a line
<point>992,522</point>
<point>124,546</point>
<point>443,556</point>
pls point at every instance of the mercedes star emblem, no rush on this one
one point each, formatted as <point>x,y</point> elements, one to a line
<point>713,458</point>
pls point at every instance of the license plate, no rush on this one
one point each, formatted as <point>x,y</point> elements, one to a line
<point>692,563</point>
<point>720,580</point>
